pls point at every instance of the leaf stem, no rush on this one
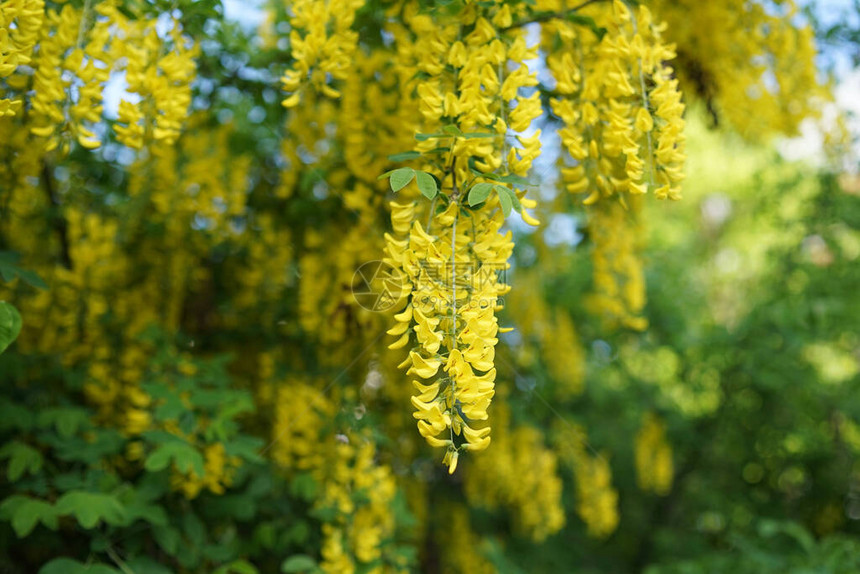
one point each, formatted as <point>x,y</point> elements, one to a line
<point>547,16</point>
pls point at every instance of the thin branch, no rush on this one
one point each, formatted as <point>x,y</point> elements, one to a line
<point>59,222</point>
<point>118,561</point>
<point>547,16</point>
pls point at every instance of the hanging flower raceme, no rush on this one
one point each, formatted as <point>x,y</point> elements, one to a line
<point>20,23</point>
<point>618,276</point>
<point>451,256</point>
<point>623,129</point>
<point>520,474</point>
<point>72,53</point>
<point>75,56</point>
<point>58,36</point>
<point>654,466</point>
<point>322,45</point>
<point>597,500</point>
<point>620,105</point>
<point>754,68</point>
<point>549,334</point>
<point>159,72</point>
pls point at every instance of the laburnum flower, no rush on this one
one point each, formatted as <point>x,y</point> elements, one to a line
<point>322,44</point>
<point>462,70</point>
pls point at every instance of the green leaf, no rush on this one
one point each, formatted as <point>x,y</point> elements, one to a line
<point>9,271</point>
<point>506,203</point>
<point>514,179</point>
<point>425,137</point>
<point>32,278</point>
<point>91,450</point>
<point>67,420</point>
<point>15,416</point>
<point>171,408</point>
<point>146,565</point>
<point>479,173</point>
<point>184,456</point>
<point>401,177</point>
<point>25,512</point>
<point>588,22</point>
<point>304,486</point>
<point>515,201</point>
<point>475,135</point>
<point>194,529</point>
<point>23,458</point>
<point>246,447</point>
<point>324,513</point>
<point>404,156</point>
<point>311,177</point>
<point>298,563</point>
<point>237,567</point>
<point>452,130</point>
<point>61,566</point>
<point>426,184</point>
<point>298,533</point>
<point>239,506</point>
<point>219,553</point>
<point>69,566</point>
<point>168,538</point>
<point>10,324</point>
<point>146,511</point>
<point>479,193</point>
<point>239,402</point>
<point>90,508</point>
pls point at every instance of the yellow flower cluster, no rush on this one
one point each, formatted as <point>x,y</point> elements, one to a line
<point>520,474</point>
<point>219,470</point>
<point>621,107</point>
<point>322,44</point>
<point>297,429</point>
<point>20,23</point>
<point>73,53</point>
<point>450,259</point>
<point>262,276</point>
<point>619,278</point>
<point>459,544</point>
<point>370,124</point>
<point>327,307</point>
<point>159,71</point>
<point>455,335</point>
<point>356,491</point>
<point>92,317</point>
<point>654,467</point>
<point>597,500</point>
<point>548,333</point>
<point>59,51</point>
<point>564,355</point>
<point>361,492</point>
<point>623,127</point>
<point>755,66</point>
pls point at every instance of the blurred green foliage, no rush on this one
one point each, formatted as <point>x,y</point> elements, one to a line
<point>752,357</point>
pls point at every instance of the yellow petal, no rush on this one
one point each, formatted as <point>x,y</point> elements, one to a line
<point>399,343</point>
<point>291,101</point>
<point>529,219</point>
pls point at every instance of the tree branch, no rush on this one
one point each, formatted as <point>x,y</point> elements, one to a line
<point>547,16</point>
<point>58,221</point>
